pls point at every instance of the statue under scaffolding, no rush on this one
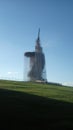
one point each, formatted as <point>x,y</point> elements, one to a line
<point>35,70</point>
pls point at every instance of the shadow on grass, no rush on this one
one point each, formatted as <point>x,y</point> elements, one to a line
<point>31,111</point>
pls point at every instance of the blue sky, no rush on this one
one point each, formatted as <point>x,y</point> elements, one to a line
<point>19,23</point>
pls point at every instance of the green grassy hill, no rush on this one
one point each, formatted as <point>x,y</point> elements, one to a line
<point>63,93</point>
<point>35,105</point>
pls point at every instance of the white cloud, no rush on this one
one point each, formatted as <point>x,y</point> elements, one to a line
<point>11,73</point>
<point>68,84</point>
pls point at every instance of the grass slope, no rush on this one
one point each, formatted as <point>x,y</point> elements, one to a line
<point>36,105</point>
<point>62,93</point>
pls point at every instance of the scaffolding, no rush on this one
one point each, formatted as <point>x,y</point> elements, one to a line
<point>35,64</point>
